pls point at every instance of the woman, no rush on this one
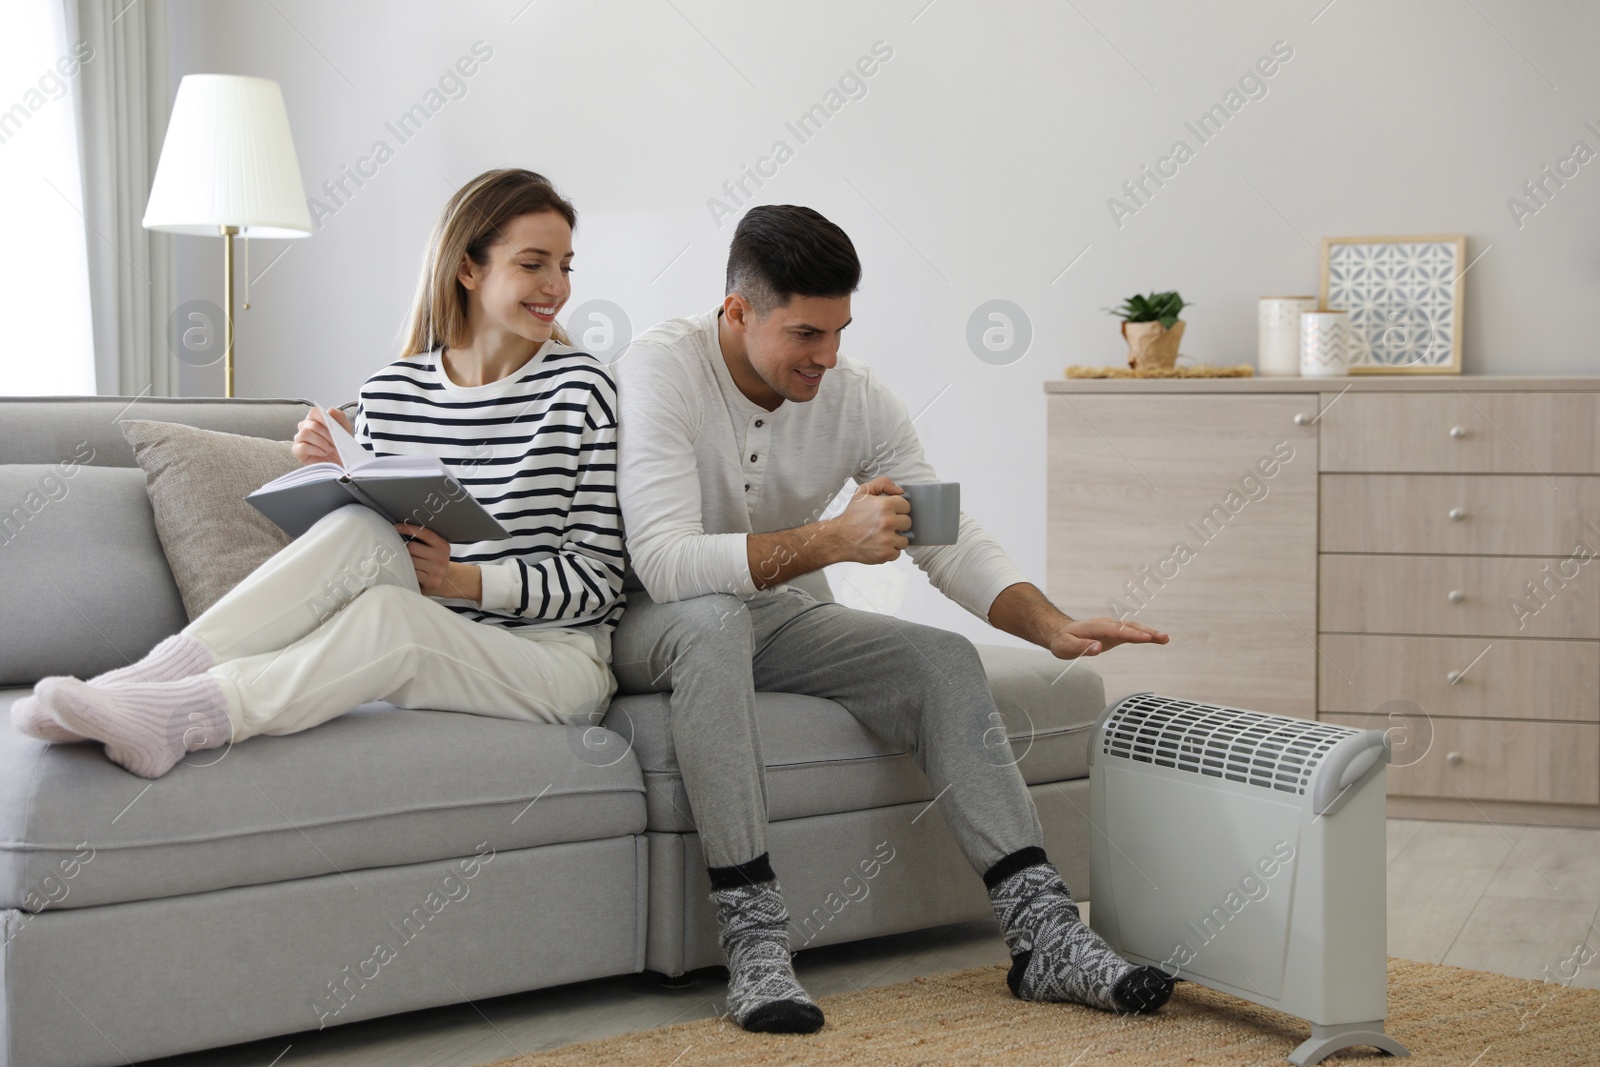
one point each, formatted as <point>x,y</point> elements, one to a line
<point>517,628</point>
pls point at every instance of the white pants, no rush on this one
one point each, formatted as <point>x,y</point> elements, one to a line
<point>336,619</point>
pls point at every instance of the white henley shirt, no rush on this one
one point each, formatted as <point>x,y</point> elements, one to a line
<point>701,466</point>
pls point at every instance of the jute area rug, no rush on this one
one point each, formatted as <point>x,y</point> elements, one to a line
<point>1444,1015</point>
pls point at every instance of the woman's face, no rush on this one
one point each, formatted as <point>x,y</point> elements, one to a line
<point>523,285</point>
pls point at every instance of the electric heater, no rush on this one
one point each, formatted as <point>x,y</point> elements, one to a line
<point>1245,852</point>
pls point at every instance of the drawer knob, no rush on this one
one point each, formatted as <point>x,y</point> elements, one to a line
<point>1301,419</point>
<point>1453,677</point>
<point>1455,596</point>
<point>1458,431</point>
<point>1456,514</point>
<point>1454,759</point>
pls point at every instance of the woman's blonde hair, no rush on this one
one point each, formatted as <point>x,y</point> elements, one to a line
<point>470,224</point>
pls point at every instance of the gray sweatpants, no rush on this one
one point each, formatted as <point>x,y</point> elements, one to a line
<point>914,686</point>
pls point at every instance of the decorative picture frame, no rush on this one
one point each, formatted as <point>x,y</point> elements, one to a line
<point>1404,296</point>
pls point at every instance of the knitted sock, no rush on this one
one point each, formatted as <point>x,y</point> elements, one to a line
<point>31,717</point>
<point>1054,954</point>
<point>763,993</point>
<point>179,656</point>
<point>147,729</point>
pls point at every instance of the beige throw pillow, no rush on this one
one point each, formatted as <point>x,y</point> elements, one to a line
<point>197,481</point>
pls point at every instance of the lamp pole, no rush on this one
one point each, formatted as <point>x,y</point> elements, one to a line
<point>227,304</point>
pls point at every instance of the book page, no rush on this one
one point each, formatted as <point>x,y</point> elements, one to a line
<point>311,472</point>
<point>358,461</point>
<point>351,454</point>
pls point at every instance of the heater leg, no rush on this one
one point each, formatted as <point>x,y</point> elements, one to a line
<point>1326,1040</point>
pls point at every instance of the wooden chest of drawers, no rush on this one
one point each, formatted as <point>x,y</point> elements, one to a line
<point>1416,556</point>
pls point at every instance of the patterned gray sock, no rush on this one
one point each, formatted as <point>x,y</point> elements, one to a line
<point>1054,954</point>
<point>763,993</point>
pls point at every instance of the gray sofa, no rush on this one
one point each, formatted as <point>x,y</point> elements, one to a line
<point>398,859</point>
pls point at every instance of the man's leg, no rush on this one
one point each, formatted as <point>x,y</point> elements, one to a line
<point>917,687</point>
<point>925,690</point>
<point>700,651</point>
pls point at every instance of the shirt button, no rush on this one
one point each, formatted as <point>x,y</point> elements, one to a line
<point>758,422</point>
<point>752,457</point>
<point>747,487</point>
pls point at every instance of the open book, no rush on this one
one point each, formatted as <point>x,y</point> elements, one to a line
<point>415,489</point>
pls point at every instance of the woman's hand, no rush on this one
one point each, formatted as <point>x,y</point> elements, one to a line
<point>436,574</point>
<point>311,441</point>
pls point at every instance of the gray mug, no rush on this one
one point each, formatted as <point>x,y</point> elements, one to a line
<point>935,512</point>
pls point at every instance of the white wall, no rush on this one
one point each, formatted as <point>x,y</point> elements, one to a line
<point>977,165</point>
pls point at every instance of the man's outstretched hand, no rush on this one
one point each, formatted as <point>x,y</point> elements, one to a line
<point>1090,637</point>
<point>1023,611</point>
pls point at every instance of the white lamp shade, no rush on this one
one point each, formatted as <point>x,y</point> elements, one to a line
<point>228,160</point>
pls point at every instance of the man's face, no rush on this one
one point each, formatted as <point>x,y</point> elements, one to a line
<point>793,346</point>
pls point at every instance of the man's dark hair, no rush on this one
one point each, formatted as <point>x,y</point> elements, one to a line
<point>781,250</point>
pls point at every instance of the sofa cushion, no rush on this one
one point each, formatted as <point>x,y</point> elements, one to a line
<point>44,429</point>
<point>820,760</point>
<point>82,576</point>
<point>197,480</point>
<point>373,788</point>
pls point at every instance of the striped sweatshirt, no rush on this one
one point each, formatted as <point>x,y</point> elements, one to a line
<point>538,449</point>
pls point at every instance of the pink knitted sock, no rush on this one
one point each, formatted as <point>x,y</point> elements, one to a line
<point>31,717</point>
<point>147,729</point>
<point>179,656</point>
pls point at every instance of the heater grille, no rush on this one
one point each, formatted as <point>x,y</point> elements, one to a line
<point>1268,751</point>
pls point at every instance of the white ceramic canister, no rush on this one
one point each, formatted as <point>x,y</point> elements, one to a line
<point>1278,355</point>
<point>1325,348</point>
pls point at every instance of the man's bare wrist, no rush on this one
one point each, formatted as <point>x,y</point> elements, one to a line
<point>784,554</point>
<point>822,539</point>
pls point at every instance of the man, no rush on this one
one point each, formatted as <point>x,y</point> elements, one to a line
<point>737,428</point>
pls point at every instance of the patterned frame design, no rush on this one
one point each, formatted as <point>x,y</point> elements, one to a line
<point>1404,298</point>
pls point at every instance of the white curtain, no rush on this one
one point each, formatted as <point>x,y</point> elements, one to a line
<point>125,99</point>
<point>48,347</point>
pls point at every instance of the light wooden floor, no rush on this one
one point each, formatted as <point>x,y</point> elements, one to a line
<point>1512,899</point>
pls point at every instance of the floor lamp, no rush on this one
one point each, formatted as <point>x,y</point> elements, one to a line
<point>228,167</point>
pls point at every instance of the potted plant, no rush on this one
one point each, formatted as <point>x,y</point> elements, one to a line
<point>1151,326</point>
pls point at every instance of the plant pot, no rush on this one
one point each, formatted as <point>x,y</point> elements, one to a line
<point>1151,346</point>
